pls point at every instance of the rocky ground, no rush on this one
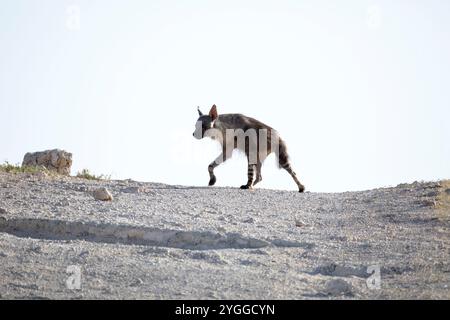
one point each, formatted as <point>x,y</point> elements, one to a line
<point>156,241</point>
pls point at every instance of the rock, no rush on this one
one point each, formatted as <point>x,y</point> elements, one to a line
<point>299,223</point>
<point>432,194</point>
<point>137,282</point>
<point>42,174</point>
<point>83,254</point>
<point>102,194</point>
<point>64,203</point>
<point>338,287</point>
<point>80,188</point>
<point>35,249</point>
<point>250,220</point>
<point>133,190</point>
<point>2,211</point>
<point>56,160</point>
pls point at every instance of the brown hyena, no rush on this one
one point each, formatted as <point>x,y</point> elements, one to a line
<point>256,139</point>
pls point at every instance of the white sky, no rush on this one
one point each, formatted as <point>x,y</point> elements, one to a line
<point>359,90</point>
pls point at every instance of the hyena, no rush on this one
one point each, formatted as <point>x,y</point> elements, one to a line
<point>256,139</point>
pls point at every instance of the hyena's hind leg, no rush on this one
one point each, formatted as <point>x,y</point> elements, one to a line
<point>262,156</point>
<point>283,161</point>
<point>258,173</point>
<point>288,168</point>
<point>250,175</point>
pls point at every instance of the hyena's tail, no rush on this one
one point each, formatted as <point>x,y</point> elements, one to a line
<point>283,157</point>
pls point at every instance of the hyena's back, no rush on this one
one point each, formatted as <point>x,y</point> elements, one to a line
<point>274,143</point>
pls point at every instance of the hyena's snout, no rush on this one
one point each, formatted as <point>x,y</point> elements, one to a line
<point>199,130</point>
<point>197,135</point>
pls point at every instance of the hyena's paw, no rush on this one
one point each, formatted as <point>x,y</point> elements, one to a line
<point>246,187</point>
<point>301,188</point>
<point>212,181</point>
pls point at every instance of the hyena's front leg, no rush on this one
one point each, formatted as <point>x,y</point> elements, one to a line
<point>212,177</point>
<point>250,175</point>
<point>212,166</point>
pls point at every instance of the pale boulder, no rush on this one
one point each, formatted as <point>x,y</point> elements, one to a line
<point>56,160</point>
<point>102,194</point>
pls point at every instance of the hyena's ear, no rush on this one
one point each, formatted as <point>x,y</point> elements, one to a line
<point>199,112</point>
<point>213,112</point>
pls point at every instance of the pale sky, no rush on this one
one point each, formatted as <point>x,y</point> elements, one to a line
<point>359,90</point>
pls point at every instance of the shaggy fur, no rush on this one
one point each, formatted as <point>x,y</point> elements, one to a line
<point>256,139</point>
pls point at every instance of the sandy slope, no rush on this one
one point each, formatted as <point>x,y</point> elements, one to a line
<point>160,241</point>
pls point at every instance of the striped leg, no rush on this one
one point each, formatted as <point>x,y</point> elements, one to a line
<point>258,173</point>
<point>221,158</point>
<point>212,177</point>
<point>288,168</point>
<point>250,174</point>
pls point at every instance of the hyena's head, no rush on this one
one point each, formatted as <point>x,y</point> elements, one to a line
<point>205,122</point>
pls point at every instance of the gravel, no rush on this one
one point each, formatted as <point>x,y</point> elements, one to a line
<point>157,241</point>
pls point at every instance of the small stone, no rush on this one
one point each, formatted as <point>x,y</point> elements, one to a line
<point>83,254</point>
<point>137,283</point>
<point>2,211</point>
<point>299,223</point>
<point>35,249</point>
<point>81,188</point>
<point>432,194</point>
<point>133,190</point>
<point>102,194</point>
<point>338,287</point>
<point>64,203</point>
<point>41,175</point>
